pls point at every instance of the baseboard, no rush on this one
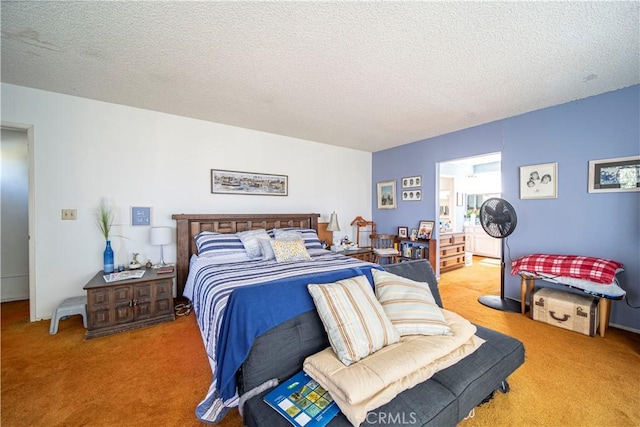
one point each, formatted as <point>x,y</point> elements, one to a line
<point>626,328</point>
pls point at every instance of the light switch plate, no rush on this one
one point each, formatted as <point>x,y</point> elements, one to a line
<point>69,214</point>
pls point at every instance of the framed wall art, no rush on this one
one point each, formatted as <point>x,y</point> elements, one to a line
<point>140,216</point>
<point>614,175</point>
<point>411,195</point>
<point>251,183</point>
<point>387,195</point>
<point>411,181</point>
<point>539,181</point>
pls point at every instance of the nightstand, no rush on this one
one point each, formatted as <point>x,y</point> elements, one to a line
<point>128,304</point>
<point>361,254</point>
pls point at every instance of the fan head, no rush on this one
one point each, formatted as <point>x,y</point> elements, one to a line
<point>498,218</point>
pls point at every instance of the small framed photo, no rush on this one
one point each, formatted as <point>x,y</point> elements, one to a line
<point>387,195</point>
<point>411,181</point>
<point>414,234</point>
<point>140,216</point>
<point>411,195</point>
<point>614,175</point>
<point>403,232</point>
<point>425,228</point>
<point>539,181</point>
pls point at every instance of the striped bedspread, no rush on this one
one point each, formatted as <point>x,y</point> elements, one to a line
<point>209,287</point>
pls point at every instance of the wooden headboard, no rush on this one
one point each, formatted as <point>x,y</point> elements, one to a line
<point>188,226</point>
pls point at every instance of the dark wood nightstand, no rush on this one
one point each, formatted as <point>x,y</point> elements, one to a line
<point>128,304</point>
<point>361,254</point>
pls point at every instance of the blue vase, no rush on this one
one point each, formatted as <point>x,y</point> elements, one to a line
<point>108,258</point>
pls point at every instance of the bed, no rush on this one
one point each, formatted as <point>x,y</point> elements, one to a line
<point>225,289</point>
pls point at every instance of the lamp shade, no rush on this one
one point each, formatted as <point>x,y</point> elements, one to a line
<point>333,223</point>
<point>160,235</point>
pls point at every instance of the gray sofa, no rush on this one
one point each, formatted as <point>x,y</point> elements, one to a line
<point>443,400</point>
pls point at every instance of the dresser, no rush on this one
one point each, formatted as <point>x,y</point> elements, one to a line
<point>128,304</point>
<point>452,249</point>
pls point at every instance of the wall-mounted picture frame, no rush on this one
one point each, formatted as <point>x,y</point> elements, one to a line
<point>425,229</point>
<point>248,183</point>
<point>387,195</point>
<point>411,195</point>
<point>412,181</point>
<point>614,175</point>
<point>140,216</point>
<point>539,181</point>
<point>403,232</point>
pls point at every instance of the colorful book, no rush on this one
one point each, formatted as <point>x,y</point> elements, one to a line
<point>302,401</point>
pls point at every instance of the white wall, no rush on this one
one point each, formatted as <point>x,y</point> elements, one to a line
<point>84,150</point>
<point>14,264</point>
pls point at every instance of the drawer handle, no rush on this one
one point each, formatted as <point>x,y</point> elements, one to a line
<point>563,319</point>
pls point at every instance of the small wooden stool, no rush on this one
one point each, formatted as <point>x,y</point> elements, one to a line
<point>68,307</point>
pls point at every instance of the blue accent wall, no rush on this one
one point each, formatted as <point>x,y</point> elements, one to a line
<point>605,225</point>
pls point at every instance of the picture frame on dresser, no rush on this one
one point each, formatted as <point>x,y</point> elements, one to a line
<point>387,195</point>
<point>425,229</point>
<point>614,175</point>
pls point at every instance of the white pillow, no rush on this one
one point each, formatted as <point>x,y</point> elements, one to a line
<point>250,240</point>
<point>267,250</point>
<point>354,320</point>
<point>409,305</point>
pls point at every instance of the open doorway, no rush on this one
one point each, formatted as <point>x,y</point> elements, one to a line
<point>464,184</point>
<point>14,239</point>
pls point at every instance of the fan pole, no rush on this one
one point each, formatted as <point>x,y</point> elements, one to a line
<point>500,302</point>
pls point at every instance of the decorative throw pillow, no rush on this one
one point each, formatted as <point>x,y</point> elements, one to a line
<point>289,250</point>
<point>250,240</point>
<point>409,305</point>
<point>267,250</point>
<point>212,244</point>
<point>354,320</point>
<point>309,235</point>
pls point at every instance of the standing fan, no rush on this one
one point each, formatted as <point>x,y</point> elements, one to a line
<point>499,219</point>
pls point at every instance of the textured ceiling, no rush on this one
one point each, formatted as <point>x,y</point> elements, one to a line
<point>365,75</point>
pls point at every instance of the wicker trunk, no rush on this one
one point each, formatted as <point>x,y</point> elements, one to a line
<point>566,310</point>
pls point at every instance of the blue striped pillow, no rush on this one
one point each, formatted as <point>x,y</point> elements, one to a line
<point>354,320</point>
<point>409,305</point>
<point>217,244</point>
<point>309,236</point>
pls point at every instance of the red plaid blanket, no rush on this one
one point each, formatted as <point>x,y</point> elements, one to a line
<point>597,270</point>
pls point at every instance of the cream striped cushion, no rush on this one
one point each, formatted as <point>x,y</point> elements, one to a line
<point>353,318</point>
<point>409,305</point>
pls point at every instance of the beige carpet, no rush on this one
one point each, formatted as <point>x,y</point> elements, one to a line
<point>156,376</point>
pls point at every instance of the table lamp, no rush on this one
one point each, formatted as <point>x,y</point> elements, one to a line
<point>333,225</point>
<point>161,236</point>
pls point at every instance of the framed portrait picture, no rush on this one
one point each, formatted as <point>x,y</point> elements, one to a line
<point>614,175</point>
<point>411,195</point>
<point>425,229</point>
<point>140,216</point>
<point>403,232</point>
<point>252,183</point>
<point>411,181</point>
<point>387,195</point>
<point>539,181</point>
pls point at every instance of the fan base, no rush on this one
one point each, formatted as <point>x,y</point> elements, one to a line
<point>502,304</point>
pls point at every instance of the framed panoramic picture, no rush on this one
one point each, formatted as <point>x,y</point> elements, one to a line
<point>140,216</point>
<point>614,175</point>
<point>387,195</point>
<point>252,183</point>
<point>411,195</point>
<point>411,181</point>
<point>539,181</point>
<point>403,232</point>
